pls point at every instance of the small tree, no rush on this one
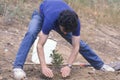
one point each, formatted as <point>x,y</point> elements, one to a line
<point>57,59</point>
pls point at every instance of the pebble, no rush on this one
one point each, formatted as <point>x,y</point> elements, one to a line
<point>6,50</point>
<point>118,58</point>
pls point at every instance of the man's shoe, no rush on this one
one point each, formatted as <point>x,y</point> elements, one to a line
<point>107,68</point>
<point>19,74</point>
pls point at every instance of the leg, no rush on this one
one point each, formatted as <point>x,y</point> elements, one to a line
<point>90,55</point>
<point>33,30</point>
<point>85,51</point>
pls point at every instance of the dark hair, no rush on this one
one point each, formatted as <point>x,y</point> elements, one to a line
<point>69,20</point>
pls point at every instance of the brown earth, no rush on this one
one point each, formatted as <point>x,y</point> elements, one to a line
<point>104,39</point>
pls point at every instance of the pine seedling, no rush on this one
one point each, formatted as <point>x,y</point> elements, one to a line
<point>57,59</point>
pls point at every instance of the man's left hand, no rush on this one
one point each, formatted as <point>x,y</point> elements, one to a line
<point>65,71</point>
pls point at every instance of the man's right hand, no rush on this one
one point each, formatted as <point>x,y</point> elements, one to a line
<point>47,72</point>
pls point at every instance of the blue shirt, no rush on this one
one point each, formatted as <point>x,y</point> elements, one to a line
<point>51,9</point>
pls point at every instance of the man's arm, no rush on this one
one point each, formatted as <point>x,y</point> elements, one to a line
<point>45,70</point>
<point>75,43</point>
<point>75,49</point>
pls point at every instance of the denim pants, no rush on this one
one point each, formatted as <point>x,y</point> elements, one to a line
<point>29,38</point>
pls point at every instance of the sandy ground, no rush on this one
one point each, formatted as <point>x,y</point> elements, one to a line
<point>104,39</point>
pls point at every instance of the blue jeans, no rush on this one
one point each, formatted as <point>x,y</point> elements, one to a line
<point>33,30</point>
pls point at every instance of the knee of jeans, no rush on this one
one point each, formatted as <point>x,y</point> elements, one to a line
<point>82,44</point>
<point>37,17</point>
<point>32,34</point>
<point>35,12</point>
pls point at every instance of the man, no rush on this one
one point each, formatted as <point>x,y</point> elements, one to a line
<point>56,15</point>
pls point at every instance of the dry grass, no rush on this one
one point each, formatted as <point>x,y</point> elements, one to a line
<point>103,11</point>
<point>16,10</point>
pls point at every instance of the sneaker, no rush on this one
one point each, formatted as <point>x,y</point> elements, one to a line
<point>19,74</point>
<point>107,68</point>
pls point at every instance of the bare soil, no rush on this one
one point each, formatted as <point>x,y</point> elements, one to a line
<point>104,39</point>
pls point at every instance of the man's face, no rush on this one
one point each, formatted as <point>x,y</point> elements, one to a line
<point>62,30</point>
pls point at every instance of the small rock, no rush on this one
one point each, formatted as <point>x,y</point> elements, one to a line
<point>5,50</point>
<point>6,31</point>
<point>117,67</point>
<point>118,58</point>
<point>91,72</point>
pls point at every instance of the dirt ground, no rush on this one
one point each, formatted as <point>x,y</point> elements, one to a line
<point>104,39</point>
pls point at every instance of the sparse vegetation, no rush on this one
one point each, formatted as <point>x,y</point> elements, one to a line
<point>1,9</point>
<point>10,10</point>
<point>103,11</point>
<point>15,10</point>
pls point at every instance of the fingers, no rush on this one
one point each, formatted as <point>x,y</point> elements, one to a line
<point>48,72</point>
<point>65,74</point>
<point>65,71</point>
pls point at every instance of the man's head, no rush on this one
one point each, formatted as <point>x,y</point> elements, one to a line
<point>68,21</point>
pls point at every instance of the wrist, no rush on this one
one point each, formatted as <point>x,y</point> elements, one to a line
<point>43,66</point>
<point>69,65</point>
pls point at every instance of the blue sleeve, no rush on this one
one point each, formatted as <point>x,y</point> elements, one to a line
<point>47,26</point>
<point>77,31</point>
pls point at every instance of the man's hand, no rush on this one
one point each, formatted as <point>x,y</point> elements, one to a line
<point>47,72</point>
<point>65,71</point>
